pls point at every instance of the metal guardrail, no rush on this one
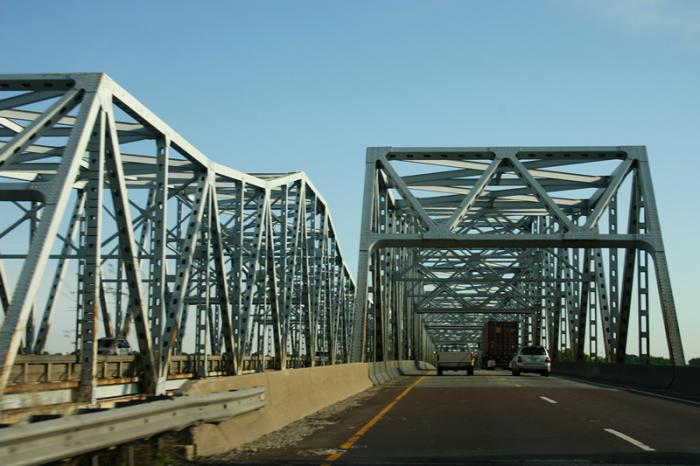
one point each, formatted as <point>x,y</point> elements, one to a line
<point>42,442</point>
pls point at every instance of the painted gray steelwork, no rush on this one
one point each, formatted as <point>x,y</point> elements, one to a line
<point>172,250</point>
<point>453,237</point>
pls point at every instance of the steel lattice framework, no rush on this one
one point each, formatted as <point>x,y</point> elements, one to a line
<point>188,255</point>
<point>452,237</point>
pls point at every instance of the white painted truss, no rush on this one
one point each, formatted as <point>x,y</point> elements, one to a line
<point>173,250</point>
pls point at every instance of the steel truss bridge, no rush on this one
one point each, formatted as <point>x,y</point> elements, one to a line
<point>115,226</point>
<point>121,228</point>
<point>564,240</point>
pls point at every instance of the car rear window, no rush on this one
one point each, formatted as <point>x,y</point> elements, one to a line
<point>534,351</point>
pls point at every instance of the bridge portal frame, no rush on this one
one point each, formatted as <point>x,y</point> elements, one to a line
<point>486,198</point>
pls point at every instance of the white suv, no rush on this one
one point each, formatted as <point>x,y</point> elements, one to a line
<point>531,359</point>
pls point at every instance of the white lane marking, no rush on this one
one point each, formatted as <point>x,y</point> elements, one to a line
<point>518,385</point>
<point>548,400</point>
<point>629,439</point>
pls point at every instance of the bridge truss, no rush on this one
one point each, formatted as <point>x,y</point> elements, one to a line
<point>564,240</point>
<point>115,226</point>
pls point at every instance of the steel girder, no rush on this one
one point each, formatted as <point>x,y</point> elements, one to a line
<point>172,249</point>
<point>453,237</point>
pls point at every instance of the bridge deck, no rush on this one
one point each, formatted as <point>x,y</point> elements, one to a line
<point>489,417</point>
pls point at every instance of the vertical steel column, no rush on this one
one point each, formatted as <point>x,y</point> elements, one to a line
<point>570,300</point>
<point>290,333</point>
<point>118,298</point>
<point>275,308</point>
<point>663,279</point>
<point>562,301</point>
<point>552,317</point>
<point>33,224</point>
<point>643,305</point>
<point>79,284</point>
<point>363,269</point>
<point>306,316</point>
<point>613,279</point>
<point>237,269</point>
<point>202,303</point>
<point>584,296</point>
<point>602,302</point>
<point>91,255</point>
<point>592,308</point>
<point>628,272</point>
<point>159,243</point>
<point>285,296</point>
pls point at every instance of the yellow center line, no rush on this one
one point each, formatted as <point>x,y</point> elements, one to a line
<point>345,446</point>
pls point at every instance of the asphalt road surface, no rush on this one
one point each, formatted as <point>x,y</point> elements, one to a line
<point>490,418</point>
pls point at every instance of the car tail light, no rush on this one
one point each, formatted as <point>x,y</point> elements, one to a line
<point>546,360</point>
<point>520,359</point>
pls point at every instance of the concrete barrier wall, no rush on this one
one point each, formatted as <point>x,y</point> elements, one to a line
<point>381,372</point>
<point>637,375</point>
<point>686,381</point>
<point>681,380</point>
<point>289,395</point>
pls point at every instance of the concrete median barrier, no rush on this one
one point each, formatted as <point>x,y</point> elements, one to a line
<point>672,380</point>
<point>424,366</point>
<point>289,396</point>
<point>686,381</point>
<point>415,367</point>
<point>385,371</point>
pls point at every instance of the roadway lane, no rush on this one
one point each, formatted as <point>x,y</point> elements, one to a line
<point>495,417</point>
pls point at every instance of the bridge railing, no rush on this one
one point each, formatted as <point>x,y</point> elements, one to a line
<point>46,372</point>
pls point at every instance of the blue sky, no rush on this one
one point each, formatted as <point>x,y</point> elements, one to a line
<point>308,85</point>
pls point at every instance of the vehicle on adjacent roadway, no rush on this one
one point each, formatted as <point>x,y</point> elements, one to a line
<point>531,359</point>
<point>455,361</point>
<point>113,346</point>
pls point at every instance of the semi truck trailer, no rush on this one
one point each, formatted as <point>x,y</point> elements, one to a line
<point>499,342</point>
